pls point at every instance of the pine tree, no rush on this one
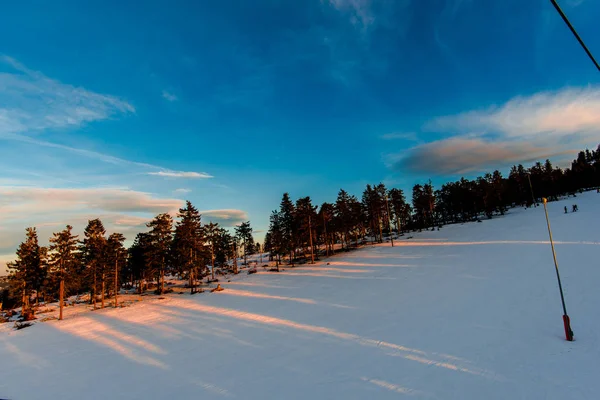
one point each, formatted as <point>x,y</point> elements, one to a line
<point>343,215</point>
<point>274,240</point>
<point>160,237</point>
<point>213,236</point>
<point>63,260</point>
<point>223,246</point>
<point>373,200</point>
<point>93,251</point>
<point>187,245</point>
<point>116,256</point>
<point>288,226</point>
<point>138,260</point>
<point>28,272</point>
<point>305,216</point>
<point>326,214</point>
<point>244,234</point>
<point>382,209</point>
<point>397,203</point>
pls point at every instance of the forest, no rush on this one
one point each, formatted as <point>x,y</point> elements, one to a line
<point>299,232</point>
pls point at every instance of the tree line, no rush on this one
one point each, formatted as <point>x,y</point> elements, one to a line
<point>300,231</point>
<point>100,265</point>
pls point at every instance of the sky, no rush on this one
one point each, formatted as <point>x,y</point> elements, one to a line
<point>123,110</point>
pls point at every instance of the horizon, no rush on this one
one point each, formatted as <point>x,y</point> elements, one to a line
<point>231,105</point>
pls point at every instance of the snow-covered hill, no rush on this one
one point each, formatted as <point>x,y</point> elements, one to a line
<point>468,312</point>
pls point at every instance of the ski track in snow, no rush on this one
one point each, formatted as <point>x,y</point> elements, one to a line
<point>468,312</point>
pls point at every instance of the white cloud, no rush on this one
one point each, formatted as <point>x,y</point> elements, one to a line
<point>169,96</point>
<point>181,174</point>
<point>182,191</point>
<point>17,202</point>
<point>457,156</point>
<point>30,102</point>
<point>226,218</point>
<point>557,113</point>
<point>51,209</point>
<point>524,129</point>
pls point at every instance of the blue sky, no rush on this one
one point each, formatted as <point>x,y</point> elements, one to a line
<point>123,109</point>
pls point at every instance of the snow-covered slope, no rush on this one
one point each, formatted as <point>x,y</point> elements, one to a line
<point>468,312</point>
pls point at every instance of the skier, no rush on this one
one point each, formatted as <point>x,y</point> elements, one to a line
<point>575,208</point>
<point>566,209</point>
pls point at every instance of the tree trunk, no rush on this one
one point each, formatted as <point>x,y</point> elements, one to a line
<point>61,297</point>
<point>212,257</point>
<point>116,281</point>
<point>103,289</point>
<point>23,300</point>
<point>141,284</point>
<point>95,285</point>
<point>235,268</point>
<point>191,274</point>
<point>312,250</point>
<point>162,281</point>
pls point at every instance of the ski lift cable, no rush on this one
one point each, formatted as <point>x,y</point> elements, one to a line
<point>564,17</point>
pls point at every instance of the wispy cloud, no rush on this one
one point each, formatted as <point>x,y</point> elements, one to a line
<point>555,113</point>
<point>31,102</point>
<point>457,156</point>
<point>182,191</point>
<point>14,201</point>
<point>182,174</point>
<point>368,14</point>
<point>169,96</point>
<point>84,152</point>
<point>50,209</point>
<point>526,128</point>
<point>359,10</point>
<point>226,218</point>
<point>410,136</point>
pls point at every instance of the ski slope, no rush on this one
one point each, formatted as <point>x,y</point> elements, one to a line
<point>468,312</point>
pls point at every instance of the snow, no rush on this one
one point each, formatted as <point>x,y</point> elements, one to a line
<point>468,312</point>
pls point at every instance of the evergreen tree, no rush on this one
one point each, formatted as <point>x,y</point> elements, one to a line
<point>287,223</point>
<point>138,260</point>
<point>305,215</point>
<point>343,215</point>
<point>397,205</point>
<point>213,236</point>
<point>63,261</point>
<point>93,249</point>
<point>223,246</point>
<point>160,237</point>
<point>188,241</point>
<point>244,234</point>
<point>274,240</point>
<point>326,214</point>
<point>28,272</point>
<point>116,256</point>
<point>382,209</point>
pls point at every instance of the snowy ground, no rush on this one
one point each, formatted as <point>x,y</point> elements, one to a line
<point>469,312</point>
